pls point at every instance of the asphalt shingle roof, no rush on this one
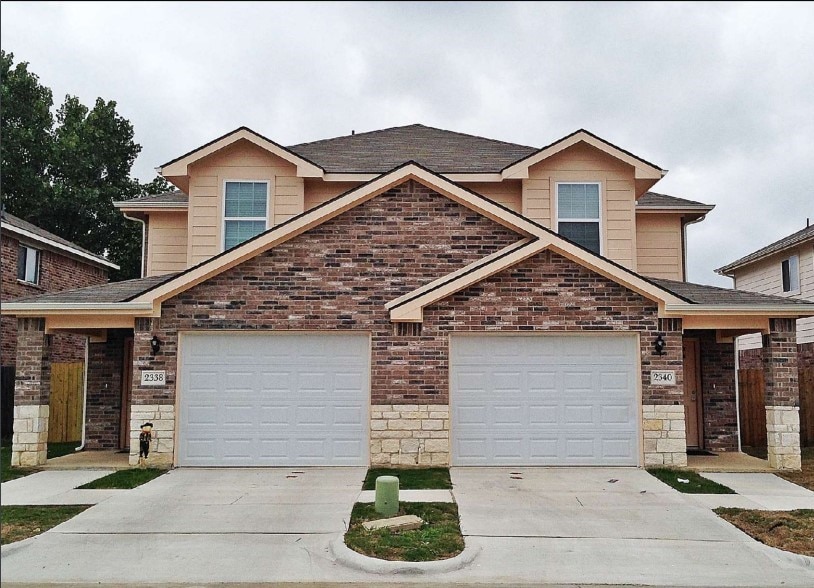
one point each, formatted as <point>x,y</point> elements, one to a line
<point>656,200</point>
<point>700,294</point>
<point>110,292</point>
<point>801,236</point>
<point>439,150</point>
<point>19,223</point>
<point>173,197</point>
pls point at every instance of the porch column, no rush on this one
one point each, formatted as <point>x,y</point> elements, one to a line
<point>32,393</point>
<point>782,395</point>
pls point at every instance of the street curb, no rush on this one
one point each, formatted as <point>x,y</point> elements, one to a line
<point>798,559</point>
<point>347,557</point>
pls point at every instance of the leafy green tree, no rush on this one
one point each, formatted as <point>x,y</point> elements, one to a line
<point>64,177</point>
<point>25,136</point>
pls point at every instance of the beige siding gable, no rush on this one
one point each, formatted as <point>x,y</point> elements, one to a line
<point>240,161</point>
<point>659,246</point>
<point>166,243</point>
<point>584,163</point>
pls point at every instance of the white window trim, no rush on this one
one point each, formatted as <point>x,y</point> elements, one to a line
<point>556,213</point>
<point>37,262</point>
<point>223,216</point>
<point>791,291</point>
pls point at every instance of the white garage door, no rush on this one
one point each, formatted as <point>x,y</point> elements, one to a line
<point>267,400</point>
<point>544,400</point>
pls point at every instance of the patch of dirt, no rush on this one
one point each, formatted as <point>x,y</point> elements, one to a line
<point>787,530</point>
<point>804,478</point>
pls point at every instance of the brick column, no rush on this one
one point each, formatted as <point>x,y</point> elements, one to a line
<point>782,395</point>
<point>155,404</point>
<point>32,393</point>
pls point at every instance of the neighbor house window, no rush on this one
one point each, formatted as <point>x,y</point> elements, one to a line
<point>245,211</point>
<point>28,265</point>
<point>578,214</point>
<point>791,274</point>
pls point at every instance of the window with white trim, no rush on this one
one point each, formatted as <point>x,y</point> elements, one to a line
<point>578,217</point>
<point>245,211</point>
<point>790,268</point>
<point>28,265</point>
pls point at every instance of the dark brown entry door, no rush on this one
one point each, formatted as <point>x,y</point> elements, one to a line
<point>692,393</point>
<point>127,387</point>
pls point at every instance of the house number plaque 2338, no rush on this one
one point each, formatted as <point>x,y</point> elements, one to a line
<point>153,378</point>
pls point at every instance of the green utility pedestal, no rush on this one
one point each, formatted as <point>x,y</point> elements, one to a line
<point>387,495</point>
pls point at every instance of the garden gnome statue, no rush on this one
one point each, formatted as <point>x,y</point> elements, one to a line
<point>144,439</point>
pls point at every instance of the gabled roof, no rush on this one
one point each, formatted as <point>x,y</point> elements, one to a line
<point>442,151</point>
<point>103,293</point>
<point>654,200</point>
<point>802,236</point>
<point>178,166</point>
<point>18,226</point>
<point>643,169</point>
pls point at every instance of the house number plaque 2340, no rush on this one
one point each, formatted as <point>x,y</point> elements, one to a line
<point>663,378</point>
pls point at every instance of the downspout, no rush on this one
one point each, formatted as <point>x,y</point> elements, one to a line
<point>84,394</point>
<point>143,239</point>
<point>737,392</point>
<point>684,243</point>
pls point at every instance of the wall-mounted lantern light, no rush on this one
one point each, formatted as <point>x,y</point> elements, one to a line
<point>155,344</point>
<point>659,344</point>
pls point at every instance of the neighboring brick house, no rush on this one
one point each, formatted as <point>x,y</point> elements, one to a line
<point>34,262</point>
<point>783,268</point>
<point>413,296</point>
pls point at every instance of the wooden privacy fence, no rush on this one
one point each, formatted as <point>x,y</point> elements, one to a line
<point>807,406</point>
<point>65,422</point>
<point>752,408</point>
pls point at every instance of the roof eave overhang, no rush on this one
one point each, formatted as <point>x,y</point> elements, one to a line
<point>768,310</point>
<point>38,309</point>
<point>151,206</point>
<point>675,209</point>
<point>59,246</point>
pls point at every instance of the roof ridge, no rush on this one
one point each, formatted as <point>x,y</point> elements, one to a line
<point>413,125</point>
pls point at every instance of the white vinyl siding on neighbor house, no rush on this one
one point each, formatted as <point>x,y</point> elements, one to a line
<point>578,210</point>
<point>245,211</point>
<point>28,265</point>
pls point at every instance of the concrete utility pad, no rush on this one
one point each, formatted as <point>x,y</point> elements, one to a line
<point>55,487</point>
<point>763,491</point>
<point>200,500</point>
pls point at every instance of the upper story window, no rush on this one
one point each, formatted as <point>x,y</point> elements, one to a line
<point>28,265</point>
<point>790,269</point>
<point>578,214</point>
<point>245,211</point>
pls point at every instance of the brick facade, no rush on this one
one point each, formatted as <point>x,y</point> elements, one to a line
<point>32,391</point>
<point>718,393</point>
<point>57,272</point>
<point>340,274</point>
<point>104,397</point>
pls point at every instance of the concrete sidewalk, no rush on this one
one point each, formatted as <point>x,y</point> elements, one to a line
<point>756,491</point>
<point>55,487</point>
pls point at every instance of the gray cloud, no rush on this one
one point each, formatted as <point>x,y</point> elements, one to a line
<point>720,94</point>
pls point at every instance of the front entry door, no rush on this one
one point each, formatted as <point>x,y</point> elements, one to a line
<point>692,393</point>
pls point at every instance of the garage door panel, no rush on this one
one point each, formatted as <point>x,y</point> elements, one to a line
<point>544,400</point>
<point>237,407</point>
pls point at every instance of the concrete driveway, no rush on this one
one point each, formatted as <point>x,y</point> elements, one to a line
<point>538,526</point>
<point>607,526</point>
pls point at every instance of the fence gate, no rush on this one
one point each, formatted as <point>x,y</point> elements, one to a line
<point>65,422</point>
<point>6,401</point>
<point>752,408</point>
<point>807,406</point>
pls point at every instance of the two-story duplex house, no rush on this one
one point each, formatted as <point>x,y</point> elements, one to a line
<point>416,296</point>
<point>783,268</point>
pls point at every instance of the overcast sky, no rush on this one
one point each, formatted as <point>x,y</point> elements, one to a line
<point>722,95</point>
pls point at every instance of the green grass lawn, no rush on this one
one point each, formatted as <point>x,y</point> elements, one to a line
<point>439,538</point>
<point>22,522</point>
<point>695,484</point>
<point>411,479</point>
<point>123,479</point>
